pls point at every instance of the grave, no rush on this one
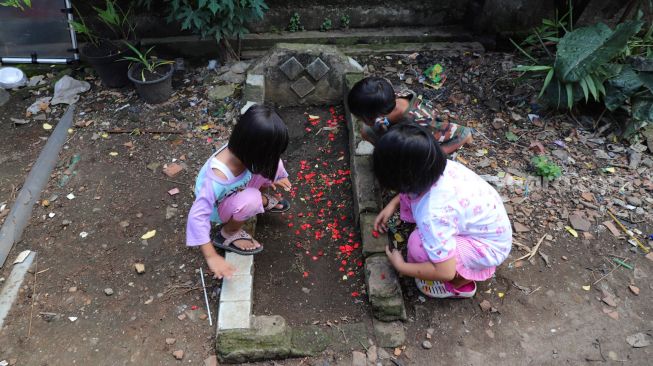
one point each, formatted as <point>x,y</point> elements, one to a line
<point>318,278</point>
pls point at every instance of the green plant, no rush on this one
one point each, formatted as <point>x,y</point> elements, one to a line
<point>326,25</point>
<point>344,21</point>
<point>119,21</point>
<point>295,24</point>
<point>20,4</point>
<point>545,168</point>
<point>148,63</point>
<point>218,19</point>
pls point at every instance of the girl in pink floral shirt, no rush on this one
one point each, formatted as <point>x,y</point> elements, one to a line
<point>463,231</point>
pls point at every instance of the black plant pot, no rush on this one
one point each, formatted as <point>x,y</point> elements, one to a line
<point>106,60</point>
<point>154,90</point>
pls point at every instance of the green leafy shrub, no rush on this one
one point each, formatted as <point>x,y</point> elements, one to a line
<point>545,168</point>
<point>594,63</point>
<point>344,21</point>
<point>217,19</point>
<point>119,21</point>
<point>326,25</point>
<point>295,24</point>
<point>20,4</point>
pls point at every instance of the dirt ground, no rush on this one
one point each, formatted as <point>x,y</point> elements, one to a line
<point>304,258</point>
<point>570,304</point>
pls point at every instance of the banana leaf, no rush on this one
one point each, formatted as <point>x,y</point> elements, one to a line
<point>584,50</point>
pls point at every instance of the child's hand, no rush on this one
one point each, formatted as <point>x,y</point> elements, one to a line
<point>220,267</point>
<point>283,183</point>
<point>381,221</point>
<point>395,257</point>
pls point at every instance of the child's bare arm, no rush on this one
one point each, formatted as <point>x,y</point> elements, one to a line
<point>217,264</point>
<point>443,271</point>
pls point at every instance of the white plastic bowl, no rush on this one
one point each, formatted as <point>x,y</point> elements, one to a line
<point>11,77</point>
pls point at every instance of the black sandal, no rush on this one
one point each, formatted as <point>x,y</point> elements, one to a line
<point>273,202</point>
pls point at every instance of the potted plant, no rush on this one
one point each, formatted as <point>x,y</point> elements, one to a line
<point>106,56</point>
<point>151,76</point>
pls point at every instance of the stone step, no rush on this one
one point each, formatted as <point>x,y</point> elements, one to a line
<point>359,36</point>
<point>351,42</point>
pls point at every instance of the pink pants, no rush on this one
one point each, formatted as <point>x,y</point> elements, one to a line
<point>247,203</point>
<point>467,250</point>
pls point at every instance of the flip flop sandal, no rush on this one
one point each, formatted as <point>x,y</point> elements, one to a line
<point>273,202</point>
<point>227,243</point>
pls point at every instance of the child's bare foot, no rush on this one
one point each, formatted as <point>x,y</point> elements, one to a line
<point>453,146</point>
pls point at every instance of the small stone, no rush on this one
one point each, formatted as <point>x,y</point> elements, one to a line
<point>427,345</point>
<point>178,354</point>
<point>579,222</point>
<point>634,289</point>
<point>485,305</point>
<point>520,228</point>
<point>66,222</point>
<point>211,361</point>
<point>649,256</point>
<point>172,170</point>
<point>372,356</point>
<point>611,313</point>
<point>222,91</point>
<point>587,196</point>
<point>108,291</point>
<point>609,300</point>
<point>564,258</point>
<point>358,359</point>
<point>171,212</point>
<point>153,166</point>
<point>383,354</point>
<point>170,341</point>
<point>181,316</point>
<point>139,267</point>
<point>364,148</point>
<point>72,289</point>
<point>635,201</point>
<point>489,333</point>
<point>203,316</point>
<point>638,340</point>
<point>124,224</point>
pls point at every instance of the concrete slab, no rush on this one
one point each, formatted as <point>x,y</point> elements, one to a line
<point>237,288</point>
<point>234,315</point>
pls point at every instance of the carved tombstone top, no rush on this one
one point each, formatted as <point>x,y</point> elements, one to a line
<point>304,74</point>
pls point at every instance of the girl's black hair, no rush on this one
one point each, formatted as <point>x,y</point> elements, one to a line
<point>371,98</point>
<point>407,159</point>
<point>258,140</point>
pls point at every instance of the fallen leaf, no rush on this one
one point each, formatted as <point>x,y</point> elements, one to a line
<point>571,231</point>
<point>113,153</point>
<point>634,289</point>
<point>587,288</point>
<point>537,147</point>
<point>510,136</point>
<point>148,235</point>
<point>47,126</point>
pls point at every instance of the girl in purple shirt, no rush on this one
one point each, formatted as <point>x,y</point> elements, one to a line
<point>228,187</point>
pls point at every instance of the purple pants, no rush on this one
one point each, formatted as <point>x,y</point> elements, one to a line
<point>247,203</point>
<point>467,249</point>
